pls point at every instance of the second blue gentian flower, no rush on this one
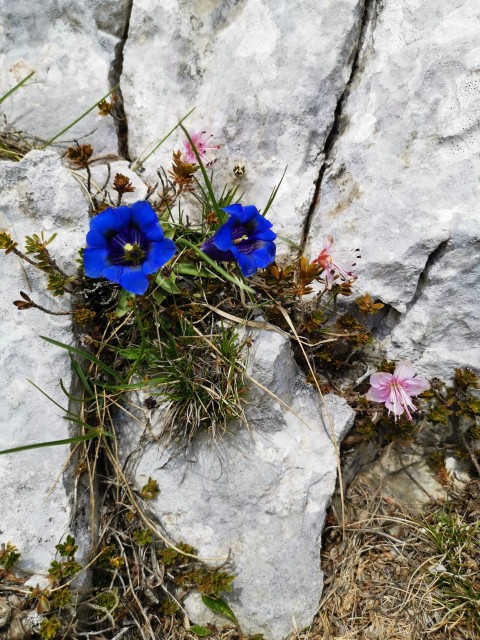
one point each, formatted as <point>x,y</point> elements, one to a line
<point>246,238</point>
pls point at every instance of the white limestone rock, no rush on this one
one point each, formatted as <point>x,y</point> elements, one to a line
<point>38,194</point>
<point>440,330</point>
<point>404,177</point>
<point>71,45</point>
<point>264,78</point>
<point>261,494</point>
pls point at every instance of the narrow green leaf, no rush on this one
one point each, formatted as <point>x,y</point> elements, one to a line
<point>17,86</point>
<point>79,371</point>
<point>291,243</point>
<point>274,194</point>
<point>217,605</point>
<point>216,266</point>
<point>203,632</point>
<point>72,124</point>
<point>47,396</point>
<point>188,269</point>
<point>139,161</point>
<point>168,284</point>
<point>84,354</point>
<point>72,397</point>
<point>141,349</point>
<point>207,180</point>
<point>52,443</point>
<point>122,309</point>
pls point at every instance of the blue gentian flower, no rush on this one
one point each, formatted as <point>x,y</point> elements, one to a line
<point>245,238</point>
<point>125,245</point>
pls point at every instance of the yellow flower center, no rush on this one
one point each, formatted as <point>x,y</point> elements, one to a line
<point>239,240</point>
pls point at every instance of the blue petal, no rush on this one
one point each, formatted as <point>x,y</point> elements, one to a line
<point>265,235</point>
<point>158,254</point>
<point>95,262</point>
<point>107,220</point>
<point>154,233</point>
<point>235,210</point>
<point>250,212</point>
<point>143,214</point>
<point>134,280</point>
<point>123,215</point>
<point>113,273</point>
<point>223,239</point>
<point>264,253</point>
<point>247,264</point>
<point>95,240</point>
<point>210,249</point>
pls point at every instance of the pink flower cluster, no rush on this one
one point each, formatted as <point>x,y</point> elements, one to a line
<point>396,390</point>
<point>331,268</point>
<point>201,143</point>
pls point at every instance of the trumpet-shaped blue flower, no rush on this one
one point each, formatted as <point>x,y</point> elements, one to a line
<point>246,238</point>
<point>125,245</point>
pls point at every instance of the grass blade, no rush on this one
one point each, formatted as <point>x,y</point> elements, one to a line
<point>84,354</point>
<point>273,195</point>
<point>78,370</point>
<point>215,266</point>
<point>291,243</point>
<point>139,161</point>
<point>207,180</point>
<point>47,144</point>
<point>17,86</point>
<point>52,443</point>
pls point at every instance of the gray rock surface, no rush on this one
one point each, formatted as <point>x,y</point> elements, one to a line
<point>35,510</point>
<point>403,177</point>
<point>260,495</point>
<point>264,77</point>
<point>72,46</point>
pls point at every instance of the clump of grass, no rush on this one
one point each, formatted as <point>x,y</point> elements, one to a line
<point>197,379</point>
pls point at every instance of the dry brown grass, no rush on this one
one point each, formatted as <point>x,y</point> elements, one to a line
<point>380,579</point>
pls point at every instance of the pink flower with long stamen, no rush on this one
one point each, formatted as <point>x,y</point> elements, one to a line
<point>396,390</point>
<point>331,268</point>
<point>200,141</point>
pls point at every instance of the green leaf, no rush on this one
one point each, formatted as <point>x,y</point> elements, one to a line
<point>84,354</point>
<point>217,605</point>
<point>139,161</point>
<point>49,142</point>
<point>188,269</point>
<point>216,266</point>
<point>122,308</point>
<point>52,443</point>
<point>17,86</point>
<point>274,194</point>
<point>208,182</point>
<point>291,243</point>
<point>158,296</point>
<point>168,284</point>
<point>203,632</point>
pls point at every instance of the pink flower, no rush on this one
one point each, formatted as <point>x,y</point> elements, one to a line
<point>200,141</point>
<point>396,390</point>
<point>331,268</point>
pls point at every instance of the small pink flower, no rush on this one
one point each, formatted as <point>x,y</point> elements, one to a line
<point>330,267</point>
<point>396,390</point>
<point>200,141</point>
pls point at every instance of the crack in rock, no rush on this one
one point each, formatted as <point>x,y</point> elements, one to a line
<point>393,317</point>
<point>115,75</point>
<point>369,14</point>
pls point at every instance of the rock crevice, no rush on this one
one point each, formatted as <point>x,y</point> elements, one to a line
<point>115,77</point>
<point>368,13</point>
